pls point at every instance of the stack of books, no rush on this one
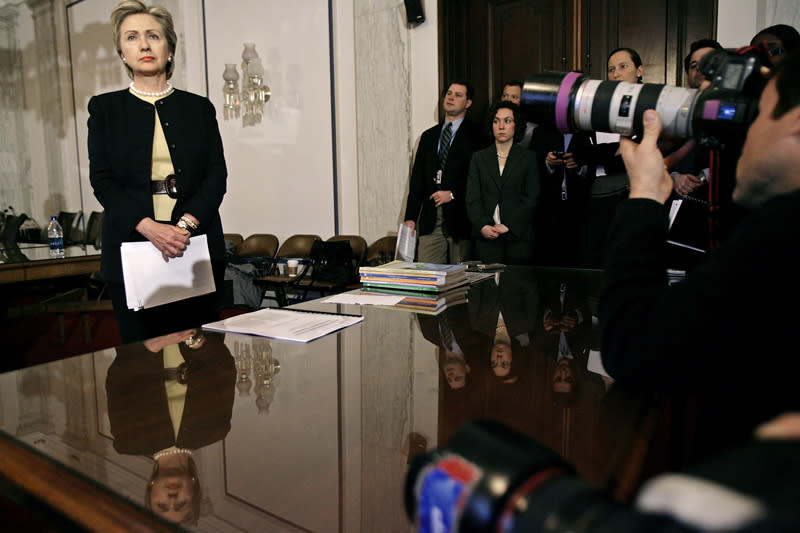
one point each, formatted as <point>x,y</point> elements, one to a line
<point>416,277</point>
<point>428,303</point>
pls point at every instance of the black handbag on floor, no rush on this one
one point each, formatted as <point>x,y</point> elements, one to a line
<point>332,262</point>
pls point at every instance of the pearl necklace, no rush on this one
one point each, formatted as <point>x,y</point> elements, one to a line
<point>176,451</point>
<point>148,93</point>
<point>501,156</point>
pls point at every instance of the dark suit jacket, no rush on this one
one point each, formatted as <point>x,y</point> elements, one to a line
<point>548,139</point>
<point>516,190</point>
<point>419,207</point>
<point>121,128</point>
<point>137,400</point>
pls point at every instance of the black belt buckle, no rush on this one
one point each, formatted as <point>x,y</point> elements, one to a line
<point>168,186</point>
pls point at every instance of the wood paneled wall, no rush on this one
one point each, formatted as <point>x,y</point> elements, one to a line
<point>491,41</point>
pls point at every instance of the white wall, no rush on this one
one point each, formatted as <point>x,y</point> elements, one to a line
<point>739,20</point>
<point>280,172</point>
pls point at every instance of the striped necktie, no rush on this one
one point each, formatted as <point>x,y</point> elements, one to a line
<point>444,144</point>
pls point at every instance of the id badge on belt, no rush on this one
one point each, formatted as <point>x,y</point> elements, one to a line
<point>437,179</point>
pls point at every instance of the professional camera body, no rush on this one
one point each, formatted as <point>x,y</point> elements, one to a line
<point>714,117</point>
<point>490,478</point>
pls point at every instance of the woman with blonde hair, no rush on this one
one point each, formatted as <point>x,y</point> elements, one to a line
<point>156,164</point>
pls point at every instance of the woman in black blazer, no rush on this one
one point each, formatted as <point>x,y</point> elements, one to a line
<point>503,191</point>
<point>157,167</point>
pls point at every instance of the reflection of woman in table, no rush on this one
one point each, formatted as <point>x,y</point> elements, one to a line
<point>505,310</point>
<point>156,166</point>
<point>169,396</point>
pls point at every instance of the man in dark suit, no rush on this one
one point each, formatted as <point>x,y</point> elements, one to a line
<point>435,206</point>
<point>566,180</point>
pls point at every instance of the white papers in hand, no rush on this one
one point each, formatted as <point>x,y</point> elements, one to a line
<point>150,281</point>
<point>406,244</point>
<point>284,324</point>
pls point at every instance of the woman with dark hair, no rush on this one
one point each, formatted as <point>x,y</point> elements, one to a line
<point>157,166</point>
<point>503,191</point>
<point>779,39</point>
<point>610,184</point>
<point>625,64</point>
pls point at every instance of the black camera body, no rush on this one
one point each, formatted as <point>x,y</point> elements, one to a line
<point>714,117</point>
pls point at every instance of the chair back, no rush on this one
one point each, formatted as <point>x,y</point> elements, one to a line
<point>257,245</point>
<point>93,229</point>
<point>235,238</point>
<point>71,226</point>
<point>298,246</point>
<point>381,251</point>
<point>10,229</point>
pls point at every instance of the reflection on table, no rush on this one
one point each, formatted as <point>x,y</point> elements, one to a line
<point>317,437</point>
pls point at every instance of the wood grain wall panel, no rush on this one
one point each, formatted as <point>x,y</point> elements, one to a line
<point>524,40</point>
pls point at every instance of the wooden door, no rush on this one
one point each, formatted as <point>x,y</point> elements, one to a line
<point>491,41</point>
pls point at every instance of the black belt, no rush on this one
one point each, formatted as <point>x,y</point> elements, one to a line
<point>179,373</point>
<point>168,186</point>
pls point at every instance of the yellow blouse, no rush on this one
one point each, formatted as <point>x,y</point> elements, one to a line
<point>161,166</point>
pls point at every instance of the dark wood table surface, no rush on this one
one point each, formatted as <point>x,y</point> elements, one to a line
<point>317,437</point>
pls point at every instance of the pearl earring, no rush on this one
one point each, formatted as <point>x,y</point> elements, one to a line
<point>169,59</point>
<point>124,60</point>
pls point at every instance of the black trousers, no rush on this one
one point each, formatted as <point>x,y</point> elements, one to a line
<point>136,326</point>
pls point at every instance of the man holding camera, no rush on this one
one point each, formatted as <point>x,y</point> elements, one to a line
<point>726,333</point>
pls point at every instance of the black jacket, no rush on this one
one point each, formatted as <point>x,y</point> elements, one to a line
<point>419,207</point>
<point>121,128</point>
<point>516,190</point>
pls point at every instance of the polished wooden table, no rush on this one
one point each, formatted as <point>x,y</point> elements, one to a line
<point>317,437</point>
<point>37,264</point>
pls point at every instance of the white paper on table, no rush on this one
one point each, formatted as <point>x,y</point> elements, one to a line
<point>285,324</point>
<point>150,281</point>
<point>355,298</point>
<point>406,244</point>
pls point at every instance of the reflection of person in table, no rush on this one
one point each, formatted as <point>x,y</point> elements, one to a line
<point>505,310</point>
<point>167,397</point>
<point>156,166</point>
<point>451,333</point>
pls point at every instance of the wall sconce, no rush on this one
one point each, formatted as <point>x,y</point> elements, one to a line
<point>254,94</point>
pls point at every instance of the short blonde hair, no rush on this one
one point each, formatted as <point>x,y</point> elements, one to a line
<point>164,18</point>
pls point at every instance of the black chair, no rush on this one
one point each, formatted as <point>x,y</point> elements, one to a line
<point>295,247</point>
<point>71,226</point>
<point>94,234</point>
<point>9,250</point>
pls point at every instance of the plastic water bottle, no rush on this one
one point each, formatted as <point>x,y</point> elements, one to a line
<point>56,237</point>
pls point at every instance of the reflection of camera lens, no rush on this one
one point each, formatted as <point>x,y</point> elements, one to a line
<point>572,102</point>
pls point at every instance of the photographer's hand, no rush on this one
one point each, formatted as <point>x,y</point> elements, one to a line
<point>645,163</point>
